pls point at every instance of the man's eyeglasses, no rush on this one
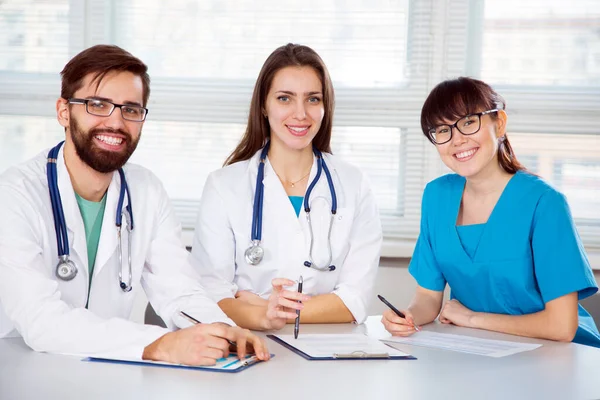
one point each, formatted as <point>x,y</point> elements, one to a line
<point>103,108</point>
<point>468,125</point>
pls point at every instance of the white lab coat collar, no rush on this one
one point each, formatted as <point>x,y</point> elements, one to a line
<point>77,240</point>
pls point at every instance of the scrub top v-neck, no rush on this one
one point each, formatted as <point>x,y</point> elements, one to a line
<point>470,236</point>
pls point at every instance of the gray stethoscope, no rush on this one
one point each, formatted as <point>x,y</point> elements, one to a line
<point>254,254</point>
<point>66,269</point>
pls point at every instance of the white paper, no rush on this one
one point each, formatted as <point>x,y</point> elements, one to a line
<point>464,344</point>
<point>375,328</point>
<point>328,345</point>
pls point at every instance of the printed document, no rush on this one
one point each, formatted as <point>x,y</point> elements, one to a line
<point>464,344</point>
<point>446,341</point>
<point>330,345</point>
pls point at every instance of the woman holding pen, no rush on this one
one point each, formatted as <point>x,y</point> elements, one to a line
<point>502,238</point>
<point>285,207</point>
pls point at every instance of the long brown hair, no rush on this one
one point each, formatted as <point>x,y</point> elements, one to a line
<point>100,60</point>
<point>257,131</point>
<point>455,98</point>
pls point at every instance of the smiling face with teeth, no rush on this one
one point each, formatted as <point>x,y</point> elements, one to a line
<point>472,155</point>
<point>294,107</point>
<point>105,143</point>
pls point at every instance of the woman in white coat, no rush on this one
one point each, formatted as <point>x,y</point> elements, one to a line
<point>258,203</point>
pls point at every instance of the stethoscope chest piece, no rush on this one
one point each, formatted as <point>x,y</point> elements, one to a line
<point>66,269</point>
<point>254,254</point>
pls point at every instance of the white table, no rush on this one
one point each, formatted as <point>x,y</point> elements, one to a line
<point>554,371</point>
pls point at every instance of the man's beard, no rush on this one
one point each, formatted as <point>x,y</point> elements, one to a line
<point>99,159</point>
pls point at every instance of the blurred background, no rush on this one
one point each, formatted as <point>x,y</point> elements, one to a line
<point>384,57</point>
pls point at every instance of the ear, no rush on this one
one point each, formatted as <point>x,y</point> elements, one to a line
<point>62,112</point>
<point>501,121</point>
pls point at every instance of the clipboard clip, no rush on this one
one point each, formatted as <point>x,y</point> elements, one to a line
<point>360,354</point>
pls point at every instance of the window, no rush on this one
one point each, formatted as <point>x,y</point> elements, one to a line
<point>33,35</point>
<point>383,55</point>
<point>230,40</point>
<point>571,163</point>
<point>552,103</point>
<point>24,137</point>
<point>539,31</point>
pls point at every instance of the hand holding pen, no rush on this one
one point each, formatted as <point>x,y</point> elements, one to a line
<point>232,345</point>
<point>283,304</point>
<point>204,344</point>
<point>240,340</point>
<point>398,323</point>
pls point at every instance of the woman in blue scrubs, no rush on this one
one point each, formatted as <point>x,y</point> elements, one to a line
<point>502,238</point>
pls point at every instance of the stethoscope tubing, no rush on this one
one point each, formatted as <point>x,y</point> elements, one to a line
<point>257,210</point>
<point>57,208</point>
<point>60,224</point>
<point>321,166</point>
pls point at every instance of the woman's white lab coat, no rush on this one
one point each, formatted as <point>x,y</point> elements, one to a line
<point>223,233</point>
<point>50,313</point>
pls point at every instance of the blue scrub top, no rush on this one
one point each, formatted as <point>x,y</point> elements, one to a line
<point>527,254</point>
<point>297,203</point>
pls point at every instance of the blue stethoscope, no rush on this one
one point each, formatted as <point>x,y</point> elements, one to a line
<point>254,254</point>
<point>66,269</point>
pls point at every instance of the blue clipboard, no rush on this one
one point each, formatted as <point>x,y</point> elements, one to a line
<point>230,364</point>
<point>358,355</point>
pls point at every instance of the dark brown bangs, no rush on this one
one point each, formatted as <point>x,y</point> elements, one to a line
<point>453,99</point>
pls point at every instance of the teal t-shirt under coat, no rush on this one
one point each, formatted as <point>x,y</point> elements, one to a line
<point>92,214</point>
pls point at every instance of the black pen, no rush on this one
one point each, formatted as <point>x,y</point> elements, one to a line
<point>297,323</point>
<point>195,321</point>
<point>394,309</point>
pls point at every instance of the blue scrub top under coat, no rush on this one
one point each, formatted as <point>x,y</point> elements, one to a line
<point>527,254</point>
<point>297,203</point>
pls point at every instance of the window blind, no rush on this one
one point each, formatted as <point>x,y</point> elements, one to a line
<point>384,56</point>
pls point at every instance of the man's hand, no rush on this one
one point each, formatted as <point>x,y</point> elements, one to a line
<point>204,344</point>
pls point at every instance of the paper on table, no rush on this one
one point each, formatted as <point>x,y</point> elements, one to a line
<point>446,341</point>
<point>326,345</point>
<point>375,328</point>
<point>464,344</point>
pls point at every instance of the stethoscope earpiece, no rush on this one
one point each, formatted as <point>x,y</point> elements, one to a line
<point>309,265</point>
<point>124,287</point>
